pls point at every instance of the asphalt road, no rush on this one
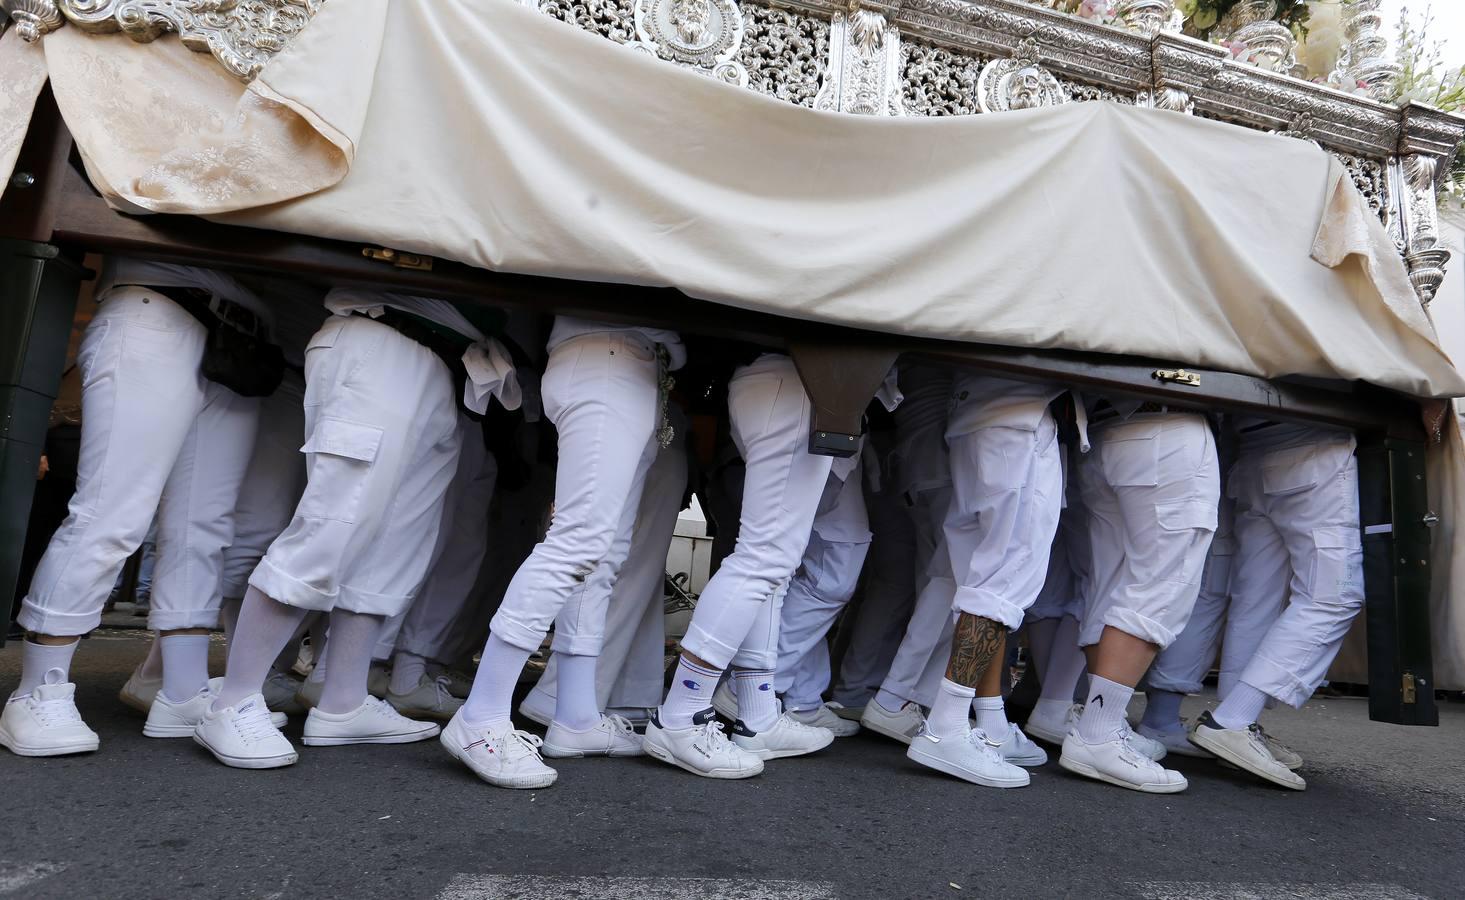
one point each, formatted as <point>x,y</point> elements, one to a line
<point>1382,818</point>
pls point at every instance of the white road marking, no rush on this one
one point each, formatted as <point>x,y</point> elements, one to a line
<point>544,887</point>
<point>16,875</point>
<point>1207,890</point>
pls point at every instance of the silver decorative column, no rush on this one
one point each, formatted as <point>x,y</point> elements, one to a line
<point>32,18</point>
<point>1365,58</point>
<point>1269,44</point>
<point>863,75</point>
<point>1148,17</point>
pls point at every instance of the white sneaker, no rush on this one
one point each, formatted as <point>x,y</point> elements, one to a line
<point>46,722</point>
<point>243,736</point>
<point>373,722</point>
<point>139,692</point>
<point>700,748</point>
<point>1018,750</point>
<point>725,700</point>
<point>971,757</point>
<point>825,716</point>
<point>280,692</point>
<point>785,737</point>
<point>611,736</point>
<point>1174,741</point>
<point>1245,748</point>
<point>537,708</point>
<point>505,758</point>
<point>1142,745</point>
<point>901,726</point>
<point>170,719</point>
<point>460,684</point>
<point>1280,751</point>
<point>1118,762</point>
<point>1053,729</point>
<point>853,713</point>
<point>638,716</point>
<point>430,699</point>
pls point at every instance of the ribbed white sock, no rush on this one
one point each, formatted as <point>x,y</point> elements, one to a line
<point>1051,710</point>
<point>690,693</point>
<point>407,672</point>
<point>1241,708</point>
<point>38,659</point>
<point>949,713</point>
<point>493,687</point>
<point>991,716</point>
<point>185,665</point>
<point>757,703</point>
<point>1103,714</point>
<point>575,705</point>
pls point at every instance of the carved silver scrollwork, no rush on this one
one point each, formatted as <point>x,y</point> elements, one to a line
<point>936,81</point>
<point>32,18</point>
<point>1019,82</point>
<point>611,19</point>
<point>863,75</point>
<point>1301,128</point>
<point>784,52</point>
<point>703,35</point>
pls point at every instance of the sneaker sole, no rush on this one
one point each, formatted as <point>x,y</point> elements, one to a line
<point>249,762</point>
<point>63,750</point>
<point>168,731</point>
<point>417,712</point>
<point>667,756</point>
<point>1089,771</point>
<point>1028,762</point>
<point>518,782</point>
<point>410,737</point>
<point>955,771</point>
<point>134,701</point>
<point>1226,756</point>
<point>888,732</point>
<point>554,752</point>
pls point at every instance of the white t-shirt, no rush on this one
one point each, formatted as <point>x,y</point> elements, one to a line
<point>566,327</point>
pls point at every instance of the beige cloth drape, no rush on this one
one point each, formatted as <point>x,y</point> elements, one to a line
<point>22,75</point>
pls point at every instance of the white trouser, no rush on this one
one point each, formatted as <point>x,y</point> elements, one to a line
<point>1297,533</point>
<point>736,619</point>
<point>272,484</point>
<point>633,659</point>
<point>381,447</point>
<point>1182,666</point>
<point>155,437</point>
<point>601,390</point>
<point>886,603</point>
<point>1063,586</point>
<point>823,584</point>
<point>1151,485</point>
<point>931,622</point>
<point>427,626</point>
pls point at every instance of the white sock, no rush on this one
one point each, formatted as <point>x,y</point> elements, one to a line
<point>38,659</point>
<point>1242,707</point>
<point>575,705</point>
<point>1065,664</point>
<point>185,665</point>
<point>690,693</point>
<point>488,702</point>
<point>757,702</point>
<point>1103,715</point>
<point>991,716</point>
<point>353,638</point>
<point>265,626</point>
<point>407,672</point>
<point>1050,710</point>
<point>888,701</point>
<point>948,716</point>
<point>1162,710</point>
<point>151,668</point>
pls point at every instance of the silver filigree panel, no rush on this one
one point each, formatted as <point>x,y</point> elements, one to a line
<point>1079,91</point>
<point>1371,179</point>
<point>784,52</point>
<point>939,82</point>
<point>613,19</point>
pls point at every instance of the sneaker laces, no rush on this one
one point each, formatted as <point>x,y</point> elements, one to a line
<point>55,713</point>
<point>984,743</point>
<point>1258,740</point>
<point>254,725</point>
<point>516,745</point>
<point>712,733</point>
<point>620,724</point>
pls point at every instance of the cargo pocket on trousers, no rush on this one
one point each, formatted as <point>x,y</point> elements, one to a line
<point>1131,462</point>
<point>339,457</point>
<point>1179,524</point>
<point>1338,564</point>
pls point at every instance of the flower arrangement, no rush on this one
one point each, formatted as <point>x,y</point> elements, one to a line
<point>1202,16</point>
<point>1424,78</point>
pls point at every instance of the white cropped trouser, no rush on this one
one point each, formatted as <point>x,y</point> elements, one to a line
<point>429,626</point>
<point>601,390</point>
<point>1151,485</point>
<point>633,660</point>
<point>1298,540</point>
<point>381,446</point>
<point>737,617</point>
<point>155,436</point>
<point>821,587</point>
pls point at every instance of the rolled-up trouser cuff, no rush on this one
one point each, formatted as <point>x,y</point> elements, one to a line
<point>1275,680</point>
<point>60,624</point>
<point>369,604</point>
<point>712,651</point>
<point>515,633</point>
<point>178,619</point>
<point>289,590</point>
<point>988,605</point>
<point>1129,622</point>
<point>753,659</point>
<point>1161,681</point>
<point>578,644</point>
<point>419,647</point>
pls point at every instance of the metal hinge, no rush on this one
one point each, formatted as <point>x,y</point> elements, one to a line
<point>1178,376</point>
<point>1408,687</point>
<point>398,258</point>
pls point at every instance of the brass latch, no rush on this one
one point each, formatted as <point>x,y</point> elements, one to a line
<point>1178,376</point>
<point>398,258</point>
<point>1408,687</point>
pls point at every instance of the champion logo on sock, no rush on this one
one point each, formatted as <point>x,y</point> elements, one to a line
<point>691,685</point>
<point>765,686</point>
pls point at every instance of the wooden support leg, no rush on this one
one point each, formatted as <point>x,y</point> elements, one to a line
<point>1393,508</point>
<point>841,380</point>
<point>37,302</point>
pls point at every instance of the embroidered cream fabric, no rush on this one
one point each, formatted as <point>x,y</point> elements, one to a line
<point>22,75</point>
